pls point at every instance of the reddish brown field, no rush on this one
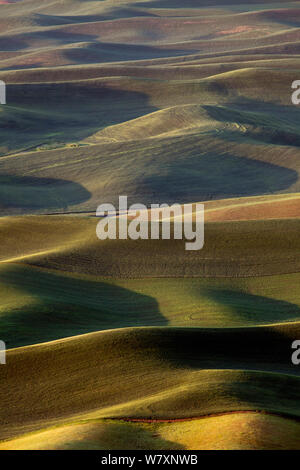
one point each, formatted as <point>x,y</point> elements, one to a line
<point>284,209</point>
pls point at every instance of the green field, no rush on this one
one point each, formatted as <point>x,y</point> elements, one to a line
<point>123,344</point>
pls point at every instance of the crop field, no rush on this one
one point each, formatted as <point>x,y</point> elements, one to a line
<point>136,344</point>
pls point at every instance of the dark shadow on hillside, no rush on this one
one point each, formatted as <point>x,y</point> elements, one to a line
<point>36,65</point>
<point>72,109</point>
<point>23,40</point>
<point>64,113</point>
<point>286,18</point>
<point>265,348</point>
<point>94,50</point>
<point>259,350</point>
<point>13,44</point>
<point>123,436</point>
<point>24,192</point>
<point>111,14</point>
<point>42,19</point>
<point>207,175</point>
<point>190,3</point>
<point>193,174</point>
<point>106,52</point>
<point>251,308</point>
<point>59,307</point>
<point>267,123</point>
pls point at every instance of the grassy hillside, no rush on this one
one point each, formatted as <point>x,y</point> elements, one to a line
<point>79,376</point>
<point>173,169</point>
<point>47,305</point>
<point>123,344</point>
<point>229,432</point>
<point>233,249</point>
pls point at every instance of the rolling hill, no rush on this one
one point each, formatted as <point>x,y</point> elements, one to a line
<point>140,344</point>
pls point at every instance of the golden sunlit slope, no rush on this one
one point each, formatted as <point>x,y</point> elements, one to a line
<point>281,206</point>
<point>235,431</point>
<point>48,305</point>
<point>229,160</point>
<point>213,371</point>
<point>254,208</point>
<point>175,120</point>
<point>238,138</point>
<point>233,249</point>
